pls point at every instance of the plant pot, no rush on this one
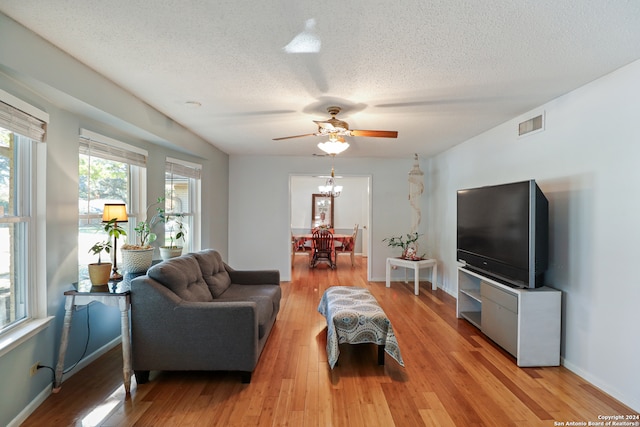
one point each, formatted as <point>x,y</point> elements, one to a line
<point>99,273</point>
<point>136,260</point>
<point>167,252</point>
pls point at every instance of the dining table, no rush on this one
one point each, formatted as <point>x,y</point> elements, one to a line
<point>302,239</point>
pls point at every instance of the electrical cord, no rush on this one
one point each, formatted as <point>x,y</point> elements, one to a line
<point>84,352</point>
<point>53,372</point>
<point>86,345</point>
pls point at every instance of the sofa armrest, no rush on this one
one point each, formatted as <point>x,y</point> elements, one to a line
<point>254,277</point>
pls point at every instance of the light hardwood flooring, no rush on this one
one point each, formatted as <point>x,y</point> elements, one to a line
<point>453,376</point>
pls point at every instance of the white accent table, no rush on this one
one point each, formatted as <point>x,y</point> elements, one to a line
<point>416,266</point>
<point>74,299</point>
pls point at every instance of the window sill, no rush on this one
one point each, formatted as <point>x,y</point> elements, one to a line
<point>22,333</point>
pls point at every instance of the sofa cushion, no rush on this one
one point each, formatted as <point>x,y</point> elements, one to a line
<point>266,297</point>
<point>213,271</point>
<point>182,276</point>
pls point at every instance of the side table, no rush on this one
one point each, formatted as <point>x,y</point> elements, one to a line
<point>416,265</point>
<point>122,300</point>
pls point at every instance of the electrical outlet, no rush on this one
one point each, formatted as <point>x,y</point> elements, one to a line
<point>34,369</point>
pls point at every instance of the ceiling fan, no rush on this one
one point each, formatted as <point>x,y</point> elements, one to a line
<point>336,129</point>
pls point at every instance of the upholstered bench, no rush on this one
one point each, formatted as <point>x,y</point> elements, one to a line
<point>355,317</point>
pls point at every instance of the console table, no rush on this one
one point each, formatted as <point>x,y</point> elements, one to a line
<point>416,265</point>
<point>73,299</point>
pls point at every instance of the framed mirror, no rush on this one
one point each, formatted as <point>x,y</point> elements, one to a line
<point>321,211</point>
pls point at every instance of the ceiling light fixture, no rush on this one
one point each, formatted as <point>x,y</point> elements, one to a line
<point>330,187</point>
<point>335,145</point>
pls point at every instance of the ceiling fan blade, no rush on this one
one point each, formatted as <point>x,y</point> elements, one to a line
<point>375,133</point>
<point>295,136</point>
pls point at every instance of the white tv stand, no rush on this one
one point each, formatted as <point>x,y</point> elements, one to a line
<point>525,322</point>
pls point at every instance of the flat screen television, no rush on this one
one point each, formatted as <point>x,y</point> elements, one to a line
<point>503,232</point>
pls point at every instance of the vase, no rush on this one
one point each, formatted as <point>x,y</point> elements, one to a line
<point>167,252</point>
<point>136,260</point>
<point>99,273</point>
<point>410,252</point>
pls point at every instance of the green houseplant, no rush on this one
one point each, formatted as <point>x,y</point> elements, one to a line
<point>177,231</point>
<point>137,257</point>
<point>99,272</point>
<point>407,243</point>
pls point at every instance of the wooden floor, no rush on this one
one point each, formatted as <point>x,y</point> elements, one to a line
<point>453,375</point>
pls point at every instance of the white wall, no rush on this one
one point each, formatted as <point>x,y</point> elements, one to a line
<point>586,162</point>
<point>259,207</point>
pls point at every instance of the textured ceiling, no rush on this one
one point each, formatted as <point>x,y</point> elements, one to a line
<point>438,72</point>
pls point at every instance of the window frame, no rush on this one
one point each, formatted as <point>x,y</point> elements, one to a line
<point>36,318</point>
<point>194,189</point>
<point>136,191</point>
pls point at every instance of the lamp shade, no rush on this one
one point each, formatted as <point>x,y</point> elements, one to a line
<point>333,146</point>
<point>115,210</point>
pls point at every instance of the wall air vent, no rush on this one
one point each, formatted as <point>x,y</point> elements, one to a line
<point>535,124</point>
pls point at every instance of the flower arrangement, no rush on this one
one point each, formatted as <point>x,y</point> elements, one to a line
<point>406,242</point>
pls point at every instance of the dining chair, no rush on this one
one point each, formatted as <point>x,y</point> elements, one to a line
<point>348,245</point>
<point>300,245</point>
<point>323,249</point>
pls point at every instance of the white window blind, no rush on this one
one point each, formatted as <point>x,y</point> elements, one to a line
<point>22,123</point>
<point>183,169</point>
<point>93,148</point>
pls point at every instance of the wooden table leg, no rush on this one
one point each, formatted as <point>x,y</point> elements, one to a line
<point>64,341</point>
<point>434,277</point>
<point>123,304</point>
<point>380,355</point>
<point>388,273</point>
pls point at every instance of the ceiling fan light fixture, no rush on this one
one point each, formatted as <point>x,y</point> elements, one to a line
<point>333,146</point>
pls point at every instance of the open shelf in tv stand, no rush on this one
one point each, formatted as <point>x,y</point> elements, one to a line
<point>525,322</point>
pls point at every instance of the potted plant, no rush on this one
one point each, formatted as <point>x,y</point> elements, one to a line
<point>100,272</point>
<point>137,257</point>
<point>407,243</point>
<point>177,232</point>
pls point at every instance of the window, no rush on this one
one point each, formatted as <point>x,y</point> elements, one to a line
<point>21,279</point>
<point>182,200</point>
<point>109,172</point>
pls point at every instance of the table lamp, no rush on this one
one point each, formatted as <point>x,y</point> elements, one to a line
<point>117,211</point>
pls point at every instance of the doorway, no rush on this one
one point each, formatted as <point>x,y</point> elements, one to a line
<point>353,206</point>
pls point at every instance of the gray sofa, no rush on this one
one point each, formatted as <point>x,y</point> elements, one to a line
<point>196,313</point>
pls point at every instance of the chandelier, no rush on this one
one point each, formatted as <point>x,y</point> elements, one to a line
<point>330,187</point>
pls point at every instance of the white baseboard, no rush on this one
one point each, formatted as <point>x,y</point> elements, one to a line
<point>42,396</point>
<point>32,406</point>
<point>630,401</point>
